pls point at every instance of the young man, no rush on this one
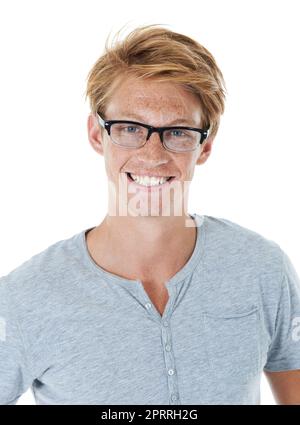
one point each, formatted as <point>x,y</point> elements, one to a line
<point>153,305</point>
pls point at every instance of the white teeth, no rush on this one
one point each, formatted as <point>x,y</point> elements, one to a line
<point>149,181</point>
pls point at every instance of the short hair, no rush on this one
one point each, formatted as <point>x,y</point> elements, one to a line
<point>155,52</point>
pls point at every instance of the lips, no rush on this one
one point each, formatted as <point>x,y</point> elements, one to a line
<point>146,174</point>
<point>149,175</point>
<point>131,181</point>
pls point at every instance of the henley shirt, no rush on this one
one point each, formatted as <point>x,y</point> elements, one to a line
<point>75,333</point>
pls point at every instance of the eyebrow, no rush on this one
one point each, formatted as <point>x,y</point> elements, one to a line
<point>176,121</point>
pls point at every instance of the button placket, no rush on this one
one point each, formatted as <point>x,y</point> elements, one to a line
<point>164,322</point>
<point>148,306</point>
<point>174,397</point>
<point>169,361</point>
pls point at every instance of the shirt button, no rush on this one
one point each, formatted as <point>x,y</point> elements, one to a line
<point>148,305</point>
<point>171,372</point>
<point>174,397</point>
<point>168,347</point>
<point>165,323</point>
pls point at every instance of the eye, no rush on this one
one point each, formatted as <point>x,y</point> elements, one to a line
<point>130,129</point>
<point>177,131</point>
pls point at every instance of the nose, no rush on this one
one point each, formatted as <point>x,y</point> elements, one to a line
<point>153,151</point>
<point>154,140</point>
<point>154,132</point>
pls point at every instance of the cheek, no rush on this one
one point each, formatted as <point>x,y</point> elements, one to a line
<point>110,163</point>
<point>114,161</point>
<point>187,166</point>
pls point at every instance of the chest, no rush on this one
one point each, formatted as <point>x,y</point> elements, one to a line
<point>157,293</point>
<point>114,353</point>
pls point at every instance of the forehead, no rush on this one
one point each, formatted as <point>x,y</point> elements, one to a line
<point>151,98</point>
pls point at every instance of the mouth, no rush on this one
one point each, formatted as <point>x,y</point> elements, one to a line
<point>149,181</point>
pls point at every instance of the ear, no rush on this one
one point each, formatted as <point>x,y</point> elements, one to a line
<point>95,134</point>
<point>205,150</point>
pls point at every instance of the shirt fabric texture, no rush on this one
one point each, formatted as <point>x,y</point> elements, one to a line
<point>77,334</point>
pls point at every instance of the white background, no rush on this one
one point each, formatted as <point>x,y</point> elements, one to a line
<point>53,184</point>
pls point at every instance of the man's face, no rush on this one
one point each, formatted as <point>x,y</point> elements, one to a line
<point>157,104</point>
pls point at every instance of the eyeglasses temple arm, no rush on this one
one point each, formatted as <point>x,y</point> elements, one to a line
<point>100,120</point>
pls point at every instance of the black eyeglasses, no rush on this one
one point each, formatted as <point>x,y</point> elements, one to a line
<point>133,135</point>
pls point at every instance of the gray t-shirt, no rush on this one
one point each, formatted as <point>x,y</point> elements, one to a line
<point>77,334</point>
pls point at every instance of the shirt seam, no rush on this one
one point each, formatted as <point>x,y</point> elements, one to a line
<point>200,265</point>
<point>294,365</point>
<point>282,278</point>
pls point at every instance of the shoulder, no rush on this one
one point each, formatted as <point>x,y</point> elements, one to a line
<point>241,240</point>
<point>232,246</point>
<point>33,280</point>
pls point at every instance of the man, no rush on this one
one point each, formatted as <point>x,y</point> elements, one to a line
<point>153,305</point>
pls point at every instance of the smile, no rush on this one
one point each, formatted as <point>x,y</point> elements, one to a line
<point>149,181</point>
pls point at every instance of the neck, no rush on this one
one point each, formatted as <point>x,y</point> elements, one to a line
<point>140,245</point>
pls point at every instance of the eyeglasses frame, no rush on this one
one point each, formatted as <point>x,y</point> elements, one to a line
<point>106,124</point>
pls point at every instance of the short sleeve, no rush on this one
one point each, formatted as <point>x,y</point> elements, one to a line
<point>15,377</point>
<point>284,351</point>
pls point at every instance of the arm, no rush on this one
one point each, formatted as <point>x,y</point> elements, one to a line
<point>15,377</point>
<point>285,386</point>
<point>282,368</point>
